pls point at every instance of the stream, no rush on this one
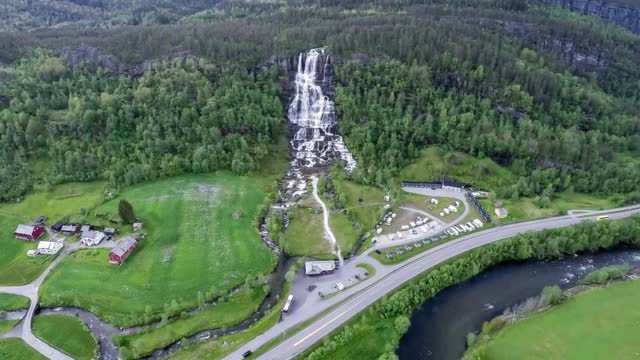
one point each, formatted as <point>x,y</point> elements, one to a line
<point>440,326</point>
<point>103,331</point>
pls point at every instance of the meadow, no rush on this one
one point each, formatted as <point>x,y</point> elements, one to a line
<point>598,324</point>
<point>16,268</point>
<point>222,315</point>
<point>58,330</point>
<point>16,349</point>
<point>11,302</point>
<point>305,234</point>
<point>194,246</point>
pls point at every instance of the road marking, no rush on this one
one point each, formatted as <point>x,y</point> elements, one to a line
<point>321,327</point>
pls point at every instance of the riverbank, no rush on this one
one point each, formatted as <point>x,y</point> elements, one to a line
<point>599,323</point>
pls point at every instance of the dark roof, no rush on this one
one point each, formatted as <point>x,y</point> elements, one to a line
<point>124,245</point>
<point>447,182</point>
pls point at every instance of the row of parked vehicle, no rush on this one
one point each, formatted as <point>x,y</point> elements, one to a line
<point>452,231</point>
<point>416,244</point>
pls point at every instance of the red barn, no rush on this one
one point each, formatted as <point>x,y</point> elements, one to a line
<point>123,250</point>
<point>28,232</point>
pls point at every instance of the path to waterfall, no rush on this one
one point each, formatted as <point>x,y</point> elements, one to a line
<point>325,214</point>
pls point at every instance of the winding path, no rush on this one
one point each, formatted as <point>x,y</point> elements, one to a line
<point>387,278</point>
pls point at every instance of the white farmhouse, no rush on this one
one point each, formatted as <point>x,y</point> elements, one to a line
<point>92,237</point>
<point>49,247</point>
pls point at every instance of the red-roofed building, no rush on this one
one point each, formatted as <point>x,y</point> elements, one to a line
<point>123,250</point>
<point>28,232</point>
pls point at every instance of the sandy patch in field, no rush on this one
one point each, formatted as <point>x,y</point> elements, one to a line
<point>167,253</point>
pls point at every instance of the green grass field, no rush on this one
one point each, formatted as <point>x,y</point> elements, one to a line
<point>305,234</point>
<point>16,268</point>
<point>16,349</point>
<point>193,244</point>
<point>66,334</point>
<point>6,325</point>
<point>524,209</point>
<point>239,307</point>
<point>10,302</point>
<point>598,324</point>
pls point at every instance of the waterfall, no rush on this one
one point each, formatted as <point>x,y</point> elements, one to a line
<point>315,142</point>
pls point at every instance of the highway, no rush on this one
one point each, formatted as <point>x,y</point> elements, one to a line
<point>360,297</point>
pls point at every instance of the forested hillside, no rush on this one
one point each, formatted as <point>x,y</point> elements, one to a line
<point>61,124</point>
<point>549,93</point>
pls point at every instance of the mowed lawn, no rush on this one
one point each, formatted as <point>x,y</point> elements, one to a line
<point>16,268</point>
<point>193,244</point>
<point>66,334</point>
<point>16,349</point>
<point>11,302</point>
<point>598,324</point>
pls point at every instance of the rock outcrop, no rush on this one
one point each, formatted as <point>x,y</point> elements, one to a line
<point>612,11</point>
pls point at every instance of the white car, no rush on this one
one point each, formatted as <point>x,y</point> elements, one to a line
<point>423,229</point>
<point>399,235</point>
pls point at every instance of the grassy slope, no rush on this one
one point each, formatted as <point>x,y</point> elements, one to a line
<point>16,349</point>
<point>365,213</point>
<point>10,302</point>
<point>239,307</point>
<point>598,324</point>
<point>16,268</point>
<point>305,234</point>
<point>7,325</point>
<point>193,244</point>
<point>66,334</point>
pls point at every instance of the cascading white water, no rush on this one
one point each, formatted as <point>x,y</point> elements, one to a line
<point>315,142</point>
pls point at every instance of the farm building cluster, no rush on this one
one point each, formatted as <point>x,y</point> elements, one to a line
<point>88,234</point>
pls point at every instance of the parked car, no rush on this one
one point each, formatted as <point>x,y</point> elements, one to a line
<point>417,244</point>
<point>389,255</point>
<point>408,247</point>
<point>399,251</point>
<point>443,236</point>
<point>425,241</point>
<point>434,238</point>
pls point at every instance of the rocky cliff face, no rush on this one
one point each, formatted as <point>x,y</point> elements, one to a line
<point>611,11</point>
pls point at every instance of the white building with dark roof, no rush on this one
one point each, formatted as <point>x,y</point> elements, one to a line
<point>314,268</point>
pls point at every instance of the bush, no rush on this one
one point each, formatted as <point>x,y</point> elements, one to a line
<point>552,295</point>
<point>605,274</point>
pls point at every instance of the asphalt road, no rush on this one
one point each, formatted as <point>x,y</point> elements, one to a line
<point>400,274</point>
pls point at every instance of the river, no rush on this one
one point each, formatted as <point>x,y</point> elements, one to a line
<point>439,328</point>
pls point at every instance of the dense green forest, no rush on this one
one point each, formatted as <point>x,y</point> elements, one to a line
<point>63,124</point>
<point>549,93</point>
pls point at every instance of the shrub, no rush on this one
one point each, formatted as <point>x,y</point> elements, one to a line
<point>603,275</point>
<point>552,295</point>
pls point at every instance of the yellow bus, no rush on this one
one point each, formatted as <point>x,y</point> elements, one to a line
<point>602,217</point>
